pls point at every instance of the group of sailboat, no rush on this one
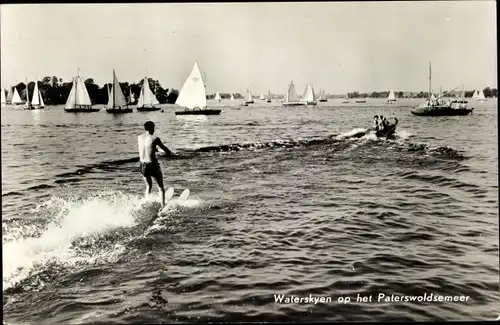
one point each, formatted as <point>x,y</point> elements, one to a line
<point>192,97</point>
<point>437,107</point>
<point>13,98</point>
<point>479,96</point>
<point>292,99</point>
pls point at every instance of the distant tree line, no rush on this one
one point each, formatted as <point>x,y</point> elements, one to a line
<point>55,91</point>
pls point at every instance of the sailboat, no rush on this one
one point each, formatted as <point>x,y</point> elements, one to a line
<point>79,99</point>
<point>217,97</point>
<point>346,99</point>
<point>3,100</point>
<point>249,99</point>
<point>10,96</point>
<point>432,107</point>
<point>268,96</point>
<point>480,96</point>
<point>291,98</point>
<point>27,104</point>
<point>475,95</point>
<point>309,98</point>
<point>262,97</point>
<point>232,97</point>
<point>147,100</point>
<point>193,96</point>
<point>37,99</point>
<point>391,98</point>
<point>116,100</point>
<point>322,96</point>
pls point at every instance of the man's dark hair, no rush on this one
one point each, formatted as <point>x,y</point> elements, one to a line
<point>149,126</point>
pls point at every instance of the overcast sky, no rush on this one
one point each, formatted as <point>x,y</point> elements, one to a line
<point>352,46</point>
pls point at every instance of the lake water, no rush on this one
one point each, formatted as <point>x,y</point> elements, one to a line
<point>296,206</point>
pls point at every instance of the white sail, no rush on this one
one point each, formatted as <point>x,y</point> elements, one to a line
<point>249,96</point>
<point>192,94</point>
<point>146,98</point>
<point>392,96</point>
<point>16,99</point>
<point>3,99</point>
<point>262,97</point>
<point>217,97</point>
<point>433,97</point>
<point>82,95</point>
<point>35,101</point>
<point>10,95</point>
<point>480,96</point>
<point>309,95</point>
<point>476,94</point>
<point>232,97</point>
<point>110,98</point>
<point>70,103</point>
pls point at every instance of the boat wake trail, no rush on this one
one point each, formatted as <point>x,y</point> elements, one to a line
<point>75,232</point>
<point>347,141</point>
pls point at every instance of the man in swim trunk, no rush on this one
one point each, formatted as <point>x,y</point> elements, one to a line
<point>150,168</point>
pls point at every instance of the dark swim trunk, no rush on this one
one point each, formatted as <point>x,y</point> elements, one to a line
<point>151,169</point>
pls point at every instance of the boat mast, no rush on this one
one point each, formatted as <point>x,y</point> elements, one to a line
<point>75,82</point>
<point>430,72</point>
<point>27,94</point>
<point>113,88</point>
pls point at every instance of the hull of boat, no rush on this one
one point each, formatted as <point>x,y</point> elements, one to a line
<point>323,100</point>
<point>268,100</point>
<point>148,109</point>
<point>119,110</point>
<point>199,112</point>
<point>391,101</point>
<point>251,102</point>
<point>82,110</point>
<point>441,111</point>
<point>345,102</point>
<point>388,133</point>
<point>361,101</point>
<point>294,104</point>
<point>311,103</point>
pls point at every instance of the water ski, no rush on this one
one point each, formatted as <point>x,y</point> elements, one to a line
<point>170,193</point>
<point>184,195</point>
